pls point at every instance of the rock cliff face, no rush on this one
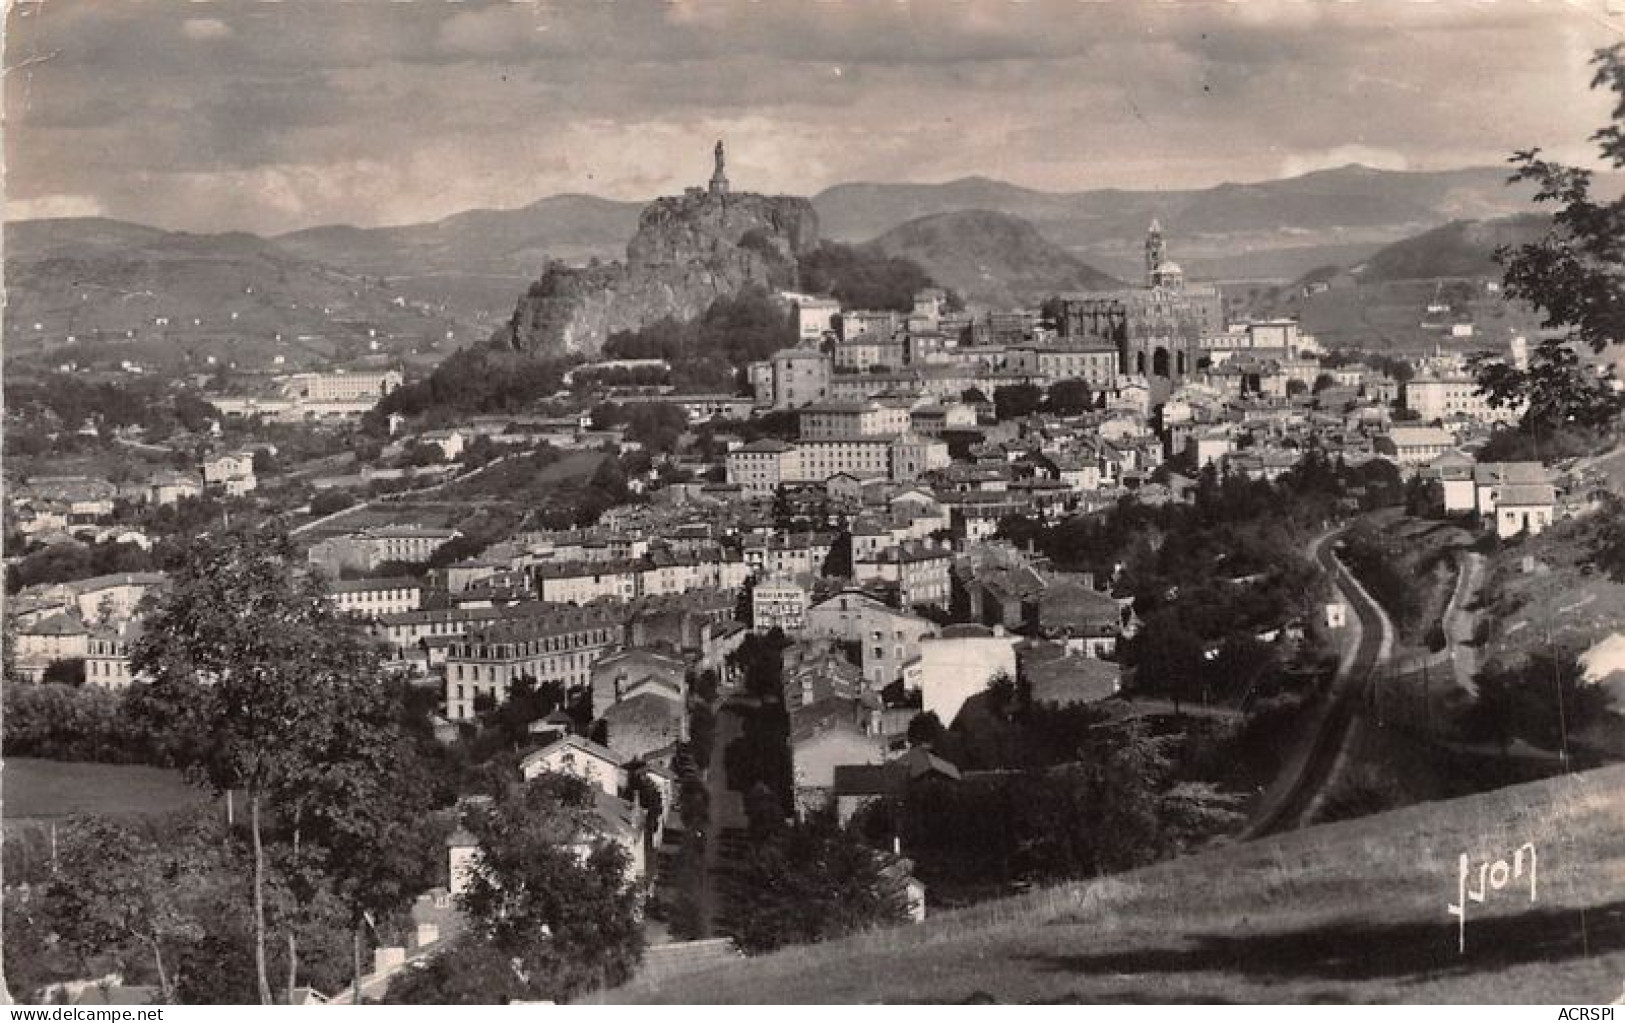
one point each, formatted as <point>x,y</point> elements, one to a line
<point>688,251</point>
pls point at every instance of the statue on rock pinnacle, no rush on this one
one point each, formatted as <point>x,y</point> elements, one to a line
<point>719,178</point>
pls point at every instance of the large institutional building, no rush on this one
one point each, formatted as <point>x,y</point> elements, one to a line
<point>1156,329</point>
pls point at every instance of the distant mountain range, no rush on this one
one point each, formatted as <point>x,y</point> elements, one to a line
<point>1347,197</point>
<point>1351,205</point>
<point>1272,228</point>
<point>463,274</point>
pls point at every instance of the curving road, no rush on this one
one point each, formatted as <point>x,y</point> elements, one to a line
<point>1314,763</point>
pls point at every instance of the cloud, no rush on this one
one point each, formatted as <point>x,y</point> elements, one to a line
<point>45,207</point>
<point>273,116</point>
<point>1296,164</point>
<point>205,28</point>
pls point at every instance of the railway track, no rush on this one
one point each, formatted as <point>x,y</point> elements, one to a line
<point>1350,691</point>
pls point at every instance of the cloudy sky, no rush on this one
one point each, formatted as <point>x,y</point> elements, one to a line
<point>271,116</point>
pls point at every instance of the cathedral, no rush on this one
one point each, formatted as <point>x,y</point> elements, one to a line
<point>1157,328</point>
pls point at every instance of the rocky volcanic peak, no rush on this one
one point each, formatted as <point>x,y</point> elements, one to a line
<point>688,251</point>
<point>679,228</point>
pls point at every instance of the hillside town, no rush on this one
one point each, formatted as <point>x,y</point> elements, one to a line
<point>765,590</point>
<point>867,511</point>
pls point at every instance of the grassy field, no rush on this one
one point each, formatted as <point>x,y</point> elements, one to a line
<point>47,789</point>
<point>1351,912</point>
<point>1556,604</point>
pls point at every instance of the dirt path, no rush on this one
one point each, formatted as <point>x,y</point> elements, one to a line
<point>727,813</point>
<point>1460,622</point>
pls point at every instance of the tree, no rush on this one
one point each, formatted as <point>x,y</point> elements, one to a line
<point>265,463</point>
<point>1127,768</point>
<point>1068,398</point>
<point>860,277</point>
<point>365,841</point>
<point>75,723</point>
<point>34,953</point>
<point>262,686</point>
<point>468,973</point>
<point>68,672</point>
<point>1608,537</point>
<point>1296,388</point>
<point>549,890</point>
<point>1013,401</point>
<point>812,881</point>
<point>745,602</point>
<point>1424,498</point>
<point>1436,639</point>
<point>1573,276</point>
<point>422,453</point>
<point>925,729</point>
<point>194,414</point>
<point>658,427</point>
<point>1544,701</point>
<point>118,889</point>
<point>838,563</point>
<point>330,501</point>
<point>1169,658</point>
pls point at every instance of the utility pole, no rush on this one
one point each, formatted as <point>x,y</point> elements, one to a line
<point>1427,710</point>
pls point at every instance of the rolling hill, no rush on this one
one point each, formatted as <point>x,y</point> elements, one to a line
<point>1348,912</point>
<point>125,291</point>
<point>1380,301</point>
<point>574,228</point>
<point>992,258</point>
<point>1461,248</point>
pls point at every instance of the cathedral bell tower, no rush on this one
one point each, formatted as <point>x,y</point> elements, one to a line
<point>1155,252</point>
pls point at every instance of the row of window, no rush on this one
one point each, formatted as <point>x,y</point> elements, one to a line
<point>408,598</point>
<point>573,667</point>
<point>541,645</point>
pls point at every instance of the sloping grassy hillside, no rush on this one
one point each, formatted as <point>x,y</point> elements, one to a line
<point>1351,912</point>
<point>1561,603</point>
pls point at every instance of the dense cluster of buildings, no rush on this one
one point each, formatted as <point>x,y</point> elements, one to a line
<point>1151,337</point>
<point>892,587</point>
